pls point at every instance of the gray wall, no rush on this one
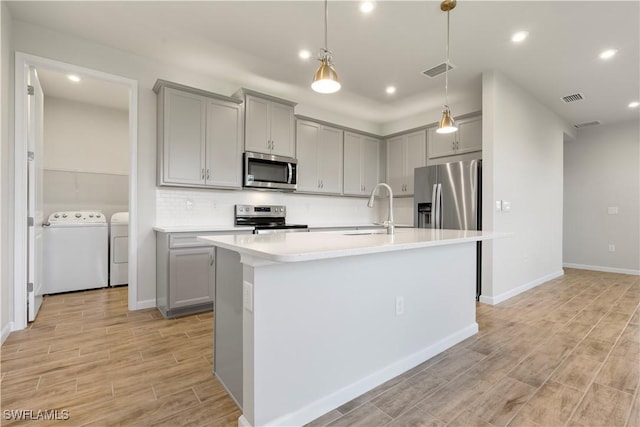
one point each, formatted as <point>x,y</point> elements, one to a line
<point>602,170</point>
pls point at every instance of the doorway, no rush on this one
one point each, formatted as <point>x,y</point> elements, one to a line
<point>23,262</point>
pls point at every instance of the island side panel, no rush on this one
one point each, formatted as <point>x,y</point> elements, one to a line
<point>227,348</point>
<point>323,332</point>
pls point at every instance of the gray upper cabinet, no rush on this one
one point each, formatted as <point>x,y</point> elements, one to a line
<point>269,124</point>
<point>467,139</point>
<point>320,158</point>
<point>361,159</point>
<point>199,138</point>
<point>404,154</point>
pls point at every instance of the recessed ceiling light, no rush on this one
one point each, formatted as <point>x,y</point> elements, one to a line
<point>367,6</point>
<point>73,78</point>
<point>634,104</point>
<point>519,36</point>
<point>390,90</point>
<point>609,53</point>
<point>304,54</point>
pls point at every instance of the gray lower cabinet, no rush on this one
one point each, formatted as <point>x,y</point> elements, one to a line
<point>191,277</point>
<point>185,273</point>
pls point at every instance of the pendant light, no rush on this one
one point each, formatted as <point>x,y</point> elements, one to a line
<point>447,124</point>
<point>325,80</point>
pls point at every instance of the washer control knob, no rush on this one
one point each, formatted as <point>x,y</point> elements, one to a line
<point>98,216</point>
<point>56,216</point>
<point>90,215</point>
<point>64,215</point>
<point>78,214</point>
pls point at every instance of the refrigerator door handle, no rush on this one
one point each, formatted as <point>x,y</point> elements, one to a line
<point>434,217</point>
<point>439,207</point>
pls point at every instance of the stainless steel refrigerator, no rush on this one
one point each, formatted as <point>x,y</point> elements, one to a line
<point>449,196</point>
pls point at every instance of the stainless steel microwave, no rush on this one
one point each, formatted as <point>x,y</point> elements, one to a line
<point>266,171</point>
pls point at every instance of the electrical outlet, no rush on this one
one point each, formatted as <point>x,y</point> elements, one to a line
<point>498,205</point>
<point>506,206</point>
<point>612,210</point>
<point>189,204</point>
<point>612,247</point>
<point>247,296</point>
<point>399,306</point>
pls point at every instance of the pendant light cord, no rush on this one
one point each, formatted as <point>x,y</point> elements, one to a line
<point>446,69</point>
<point>326,18</point>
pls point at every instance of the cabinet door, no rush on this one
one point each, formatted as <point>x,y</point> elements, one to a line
<point>416,156</point>
<point>183,148</point>
<point>307,137</point>
<point>330,160</point>
<point>470,136</point>
<point>370,153</point>
<point>224,151</point>
<point>395,164</point>
<point>440,144</point>
<point>282,135</point>
<point>191,277</point>
<point>256,125</point>
<point>353,164</point>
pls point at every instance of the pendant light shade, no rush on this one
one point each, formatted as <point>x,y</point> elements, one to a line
<point>325,80</point>
<point>447,124</point>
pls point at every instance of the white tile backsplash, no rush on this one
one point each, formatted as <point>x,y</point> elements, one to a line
<point>181,207</point>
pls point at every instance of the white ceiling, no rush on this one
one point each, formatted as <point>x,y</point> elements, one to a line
<point>255,44</point>
<point>89,91</point>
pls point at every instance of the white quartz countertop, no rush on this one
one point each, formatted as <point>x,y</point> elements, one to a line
<point>295,247</point>
<point>199,228</point>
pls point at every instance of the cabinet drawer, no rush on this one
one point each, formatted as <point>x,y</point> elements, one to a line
<point>190,240</point>
<point>186,240</point>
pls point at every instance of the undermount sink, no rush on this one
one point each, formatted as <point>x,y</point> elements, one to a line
<point>365,233</point>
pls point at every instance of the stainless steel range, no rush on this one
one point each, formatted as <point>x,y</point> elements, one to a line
<point>266,219</point>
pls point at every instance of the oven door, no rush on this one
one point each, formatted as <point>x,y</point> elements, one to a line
<point>270,172</point>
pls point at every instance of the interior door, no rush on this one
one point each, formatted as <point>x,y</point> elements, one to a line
<point>35,125</point>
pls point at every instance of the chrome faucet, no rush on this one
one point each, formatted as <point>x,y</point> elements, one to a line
<point>389,224</point>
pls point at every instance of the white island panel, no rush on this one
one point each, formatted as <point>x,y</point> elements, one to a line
<point>323,332</point>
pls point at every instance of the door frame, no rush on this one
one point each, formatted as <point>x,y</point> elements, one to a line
<point>22,63</point>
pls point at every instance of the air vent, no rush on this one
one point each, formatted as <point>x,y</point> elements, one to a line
<point>572,98</point>
<point>585,124</point>
<point>437,70</point>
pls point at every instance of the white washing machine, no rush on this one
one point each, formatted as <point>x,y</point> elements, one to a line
<point>76,252</point>
<point>119,256</point>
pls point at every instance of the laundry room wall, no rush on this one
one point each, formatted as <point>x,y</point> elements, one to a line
<point>86,157</point>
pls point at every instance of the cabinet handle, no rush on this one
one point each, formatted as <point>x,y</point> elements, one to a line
<point>207,174</point>
<point>322,183</point>
<point>210,259</point>
<point>202,174</point>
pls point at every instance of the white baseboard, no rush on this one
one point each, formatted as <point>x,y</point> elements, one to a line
<point>344,395</point>
<point>493,300</point>
<point>5,332</point>
<point>149,303</point>
<point>242,422</point>
<point>603,269</point>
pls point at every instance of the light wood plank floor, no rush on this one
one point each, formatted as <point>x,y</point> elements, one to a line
<point>564,353</point>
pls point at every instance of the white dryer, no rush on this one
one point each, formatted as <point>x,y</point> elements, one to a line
<point>76,251</point>
<point>119,256</point>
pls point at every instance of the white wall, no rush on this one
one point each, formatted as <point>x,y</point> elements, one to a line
<point>6,171</point>
<point>85,137</point>
<point>602,170</point>
<point>86,157</point>
<point>43,42</point>
<point>523,163</point>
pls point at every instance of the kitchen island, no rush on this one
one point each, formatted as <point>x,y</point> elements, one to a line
<point>321,318</point>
